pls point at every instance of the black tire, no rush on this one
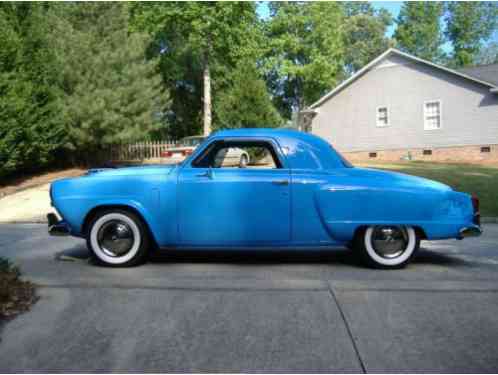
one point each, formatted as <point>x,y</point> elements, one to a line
<point>117,229</point>
<point>365,250</point>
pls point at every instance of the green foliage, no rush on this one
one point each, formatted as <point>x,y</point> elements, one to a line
<point>488,54</point>
<point>31,127</point>
<point>113,93</point>
<point>79,76</point>
<point>246,103</point>
<point>188,36</point>
<point>364,34</point>
<point>419,30</point>
<point>468,25</point>
<point>305,52</point>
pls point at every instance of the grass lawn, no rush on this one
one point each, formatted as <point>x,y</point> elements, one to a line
<point>481,180</point>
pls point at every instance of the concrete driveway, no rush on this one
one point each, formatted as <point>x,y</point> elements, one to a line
<point>27,206</point>
<point>249,311</point>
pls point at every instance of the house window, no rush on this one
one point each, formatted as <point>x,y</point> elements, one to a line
<point>486,149</point>
<point>382,116</point>
<point>432,115</point>
<point>427,152</point>
<point>372,155</point>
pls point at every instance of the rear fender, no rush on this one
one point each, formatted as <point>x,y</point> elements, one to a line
<point>343,209</point>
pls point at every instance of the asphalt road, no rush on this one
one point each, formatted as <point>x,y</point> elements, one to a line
<point>247,311</point>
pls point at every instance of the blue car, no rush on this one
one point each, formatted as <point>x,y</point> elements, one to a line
<point>295,192</point>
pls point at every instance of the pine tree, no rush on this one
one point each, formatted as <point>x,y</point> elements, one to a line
<point>31,127</point>
<point>114,94</point>
<point>246,104</point>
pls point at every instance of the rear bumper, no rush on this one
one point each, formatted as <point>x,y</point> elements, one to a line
<point>472,231</point>
<point>57,227</point>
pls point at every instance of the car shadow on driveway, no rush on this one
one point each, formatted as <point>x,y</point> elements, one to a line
<point>340,257</point>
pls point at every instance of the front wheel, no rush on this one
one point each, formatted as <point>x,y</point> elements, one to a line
<point>117,238</point>
<point>387,246</point>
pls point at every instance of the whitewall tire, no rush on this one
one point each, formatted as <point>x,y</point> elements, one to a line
<point>117,238</point>
<point>387,246</point>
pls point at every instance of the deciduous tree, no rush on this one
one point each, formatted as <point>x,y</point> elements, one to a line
<point>199,43</point>
<point>419,30</point>
<point>364,34</point>
<point>305,54</point>
<point>468,25</point>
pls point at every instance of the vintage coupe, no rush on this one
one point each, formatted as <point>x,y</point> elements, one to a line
<point>297,192</point>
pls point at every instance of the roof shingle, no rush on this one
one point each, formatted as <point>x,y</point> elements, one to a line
<point>487,73</point>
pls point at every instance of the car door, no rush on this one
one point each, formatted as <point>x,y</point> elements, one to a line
<point>229,205</point>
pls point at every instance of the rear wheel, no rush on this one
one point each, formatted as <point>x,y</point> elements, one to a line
<point>117,238</point>
<point>387,246</point>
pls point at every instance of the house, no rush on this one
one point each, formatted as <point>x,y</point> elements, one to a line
<point>402,107</point>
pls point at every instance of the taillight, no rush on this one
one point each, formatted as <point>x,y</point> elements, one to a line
<point>475,206</point>
<point>166,154</point>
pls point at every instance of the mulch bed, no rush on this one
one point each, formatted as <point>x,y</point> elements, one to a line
<point>16,295</point>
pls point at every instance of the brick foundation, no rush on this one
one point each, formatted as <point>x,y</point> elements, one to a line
<point>467,154</point>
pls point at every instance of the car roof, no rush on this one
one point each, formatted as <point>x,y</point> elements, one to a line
<point>266,132</point>
<point>293,140</point>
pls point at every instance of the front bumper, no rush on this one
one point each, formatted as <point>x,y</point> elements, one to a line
<point>472,231</point>
<point>57,227</point>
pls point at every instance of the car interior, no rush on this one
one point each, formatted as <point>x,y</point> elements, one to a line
<point>238,154</point>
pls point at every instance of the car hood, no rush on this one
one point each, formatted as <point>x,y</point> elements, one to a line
<point>389,178</point>
<point>140,170</point>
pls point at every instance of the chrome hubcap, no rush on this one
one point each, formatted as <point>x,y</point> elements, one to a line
<point>115,238</point>
<point>389,241</point>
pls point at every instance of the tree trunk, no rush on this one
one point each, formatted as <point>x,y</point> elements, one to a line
<point>207,99</point>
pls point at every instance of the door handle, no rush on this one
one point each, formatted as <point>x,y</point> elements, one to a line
<point>208,174</point>
<point>280,182</point>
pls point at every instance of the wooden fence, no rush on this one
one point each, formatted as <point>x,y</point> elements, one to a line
<point>139,150</point>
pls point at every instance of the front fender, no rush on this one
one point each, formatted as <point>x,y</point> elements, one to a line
<point>74,199</point>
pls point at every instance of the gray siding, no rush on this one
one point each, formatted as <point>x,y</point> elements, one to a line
<point>348,119</point>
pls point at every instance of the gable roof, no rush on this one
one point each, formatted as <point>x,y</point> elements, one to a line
<point>392,51</point>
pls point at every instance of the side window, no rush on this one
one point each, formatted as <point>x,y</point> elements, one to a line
<point>432,115</point>
<point>382,117</point>
<point>238,154</point>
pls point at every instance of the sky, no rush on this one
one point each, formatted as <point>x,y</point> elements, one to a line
<point>392,6</point>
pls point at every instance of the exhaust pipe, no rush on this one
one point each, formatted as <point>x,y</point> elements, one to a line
<point>56,227</point>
